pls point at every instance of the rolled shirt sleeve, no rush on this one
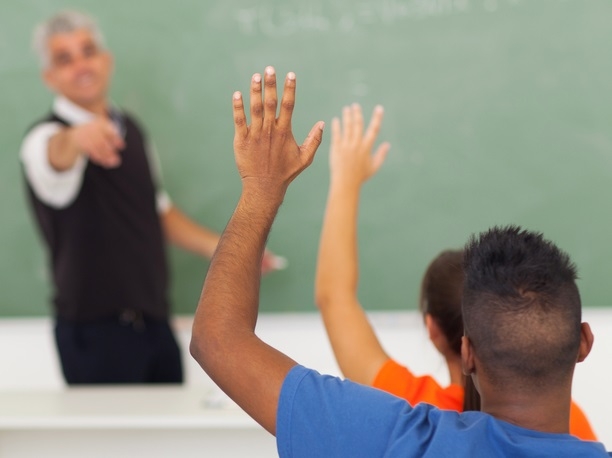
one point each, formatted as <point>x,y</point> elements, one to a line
<point>164,203</point>
<point>58,189</point>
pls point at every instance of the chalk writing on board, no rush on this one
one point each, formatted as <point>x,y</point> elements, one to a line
<point>289,18</point>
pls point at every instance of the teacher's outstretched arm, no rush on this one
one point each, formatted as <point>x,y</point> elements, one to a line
<point>223,339</point>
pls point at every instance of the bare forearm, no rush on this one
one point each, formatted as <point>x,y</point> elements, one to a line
<point>237,281</point>
<point>351,164</point>
<point>356,347</point>
<point>62,151</point>
<point>223,339</point>
<point>223,333</point>
<point>189,235</point>
<point>337,267</point>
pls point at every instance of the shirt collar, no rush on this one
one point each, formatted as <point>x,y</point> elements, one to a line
<point>71,112</point>
<point>75,115</point>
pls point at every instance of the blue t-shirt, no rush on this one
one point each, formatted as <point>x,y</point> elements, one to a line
<point>324,416</point>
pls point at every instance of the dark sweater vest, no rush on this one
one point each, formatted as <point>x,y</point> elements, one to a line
<point>107,248</point>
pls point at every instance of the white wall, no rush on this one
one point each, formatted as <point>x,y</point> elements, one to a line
<point>28,360</point>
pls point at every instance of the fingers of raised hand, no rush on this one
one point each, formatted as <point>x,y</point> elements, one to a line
<point>287,103</point>
<point>379,156</point>
<point>347,123</point>
<point>312,142</point>
<point>267,144</point>
<point>270,99</point>
<point>351,148</point>
<point>374,126</point>
<point>257,112</point>
<point>357,123</point>
<point>240,122</point>
<point>336,134</point>
<point>263,104</point>
<point>352,123</point>
<point>370,137</point>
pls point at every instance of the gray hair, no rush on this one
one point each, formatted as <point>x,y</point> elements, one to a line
<point>63,22</point>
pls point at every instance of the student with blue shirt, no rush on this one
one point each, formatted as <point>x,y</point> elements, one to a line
<point>522,316</point>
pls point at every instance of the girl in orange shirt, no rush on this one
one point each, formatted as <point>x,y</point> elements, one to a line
<point>357,349</point>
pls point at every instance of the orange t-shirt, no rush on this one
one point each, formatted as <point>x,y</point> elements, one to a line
<point>398,380</point>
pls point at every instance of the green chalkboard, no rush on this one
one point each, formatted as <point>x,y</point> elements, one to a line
<point>498,111</point>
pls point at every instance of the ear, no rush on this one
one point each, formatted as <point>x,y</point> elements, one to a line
<point>467,357</point>
<point>433,330</point>
<point>47,77</point>
<point>436,336</point>
<point>586,341</point>
<point>110,61</point>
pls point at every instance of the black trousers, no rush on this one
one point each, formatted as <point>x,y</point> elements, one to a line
<point>126,349</point>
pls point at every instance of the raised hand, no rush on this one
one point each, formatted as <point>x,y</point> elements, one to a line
<point>267,155</point>
<point>223,339</point>
<point>358,351</point>
<point>351,158</point>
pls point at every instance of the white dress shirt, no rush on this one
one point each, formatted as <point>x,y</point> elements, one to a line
<point>59,189</point>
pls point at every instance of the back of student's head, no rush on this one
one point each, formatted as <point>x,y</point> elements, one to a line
<point>63,22</point>
<point>441,291</point>
<point>521,308</point>
<point>441,295</point>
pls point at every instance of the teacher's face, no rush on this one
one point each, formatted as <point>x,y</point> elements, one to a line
<point>78,69</point>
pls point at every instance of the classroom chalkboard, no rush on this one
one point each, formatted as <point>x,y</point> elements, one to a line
<point>498,111</point>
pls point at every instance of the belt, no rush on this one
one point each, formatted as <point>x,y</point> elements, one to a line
<point>133,318</point>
